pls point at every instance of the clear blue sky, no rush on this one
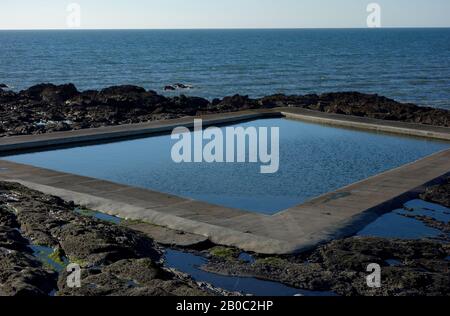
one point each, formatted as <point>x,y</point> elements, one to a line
<point>45,14</point>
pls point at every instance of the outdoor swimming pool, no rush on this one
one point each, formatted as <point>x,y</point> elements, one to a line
<point>314,159</point>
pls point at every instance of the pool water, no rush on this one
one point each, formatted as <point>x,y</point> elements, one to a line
<point>314,159</point>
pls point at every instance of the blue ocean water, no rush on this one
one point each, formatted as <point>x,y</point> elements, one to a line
<point>314,159</point>
<point>410,65</point>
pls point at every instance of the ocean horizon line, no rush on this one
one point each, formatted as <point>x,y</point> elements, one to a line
<point>229,28</point>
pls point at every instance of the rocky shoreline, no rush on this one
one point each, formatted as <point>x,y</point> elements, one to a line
<point>409,267</point>
<point>115,259</point>
<point>420,267</point>
<point>49,108</point>
<point>439,194</point>
<point>118,260</point>
<point>126,259</point>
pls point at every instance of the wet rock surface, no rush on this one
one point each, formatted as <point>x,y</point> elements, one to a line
<point>50,108</point>
<point>115,260</point>
<point>409,267</point>
<point>128,277</point>
<point>439,194</point>
<point>177,86</point>
<point>341,267</point>
<point>21,274</point>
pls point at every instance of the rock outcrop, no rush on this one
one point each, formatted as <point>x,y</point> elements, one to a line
<point>177,86</point>
<point>115,260</point>
<point>421,267</point>
<point>49,108</point>
<point>439,194</point>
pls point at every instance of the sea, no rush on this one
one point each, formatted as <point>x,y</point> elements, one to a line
<point>409,65</point>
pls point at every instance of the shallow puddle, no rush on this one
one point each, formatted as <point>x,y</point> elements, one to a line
<point>44,254</point>
<point>422,208</point>
<point>190,264</point>
<point>99,215</point>
<point>396,224</point>
<point>394,262</point>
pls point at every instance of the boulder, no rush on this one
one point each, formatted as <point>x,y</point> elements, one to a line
<point>169,88</point>
<point>187,105</point>
<point>439,194</point>
<point>177,86</point>
<point>23,275</point>
<point>235,103</point>
<point>50,93</point>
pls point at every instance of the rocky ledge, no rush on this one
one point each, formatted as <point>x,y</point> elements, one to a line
<point>115,260</point>
<point>409,267</point>
<point>49,108</point>
<point>439,194</point>
<point>118,260</point>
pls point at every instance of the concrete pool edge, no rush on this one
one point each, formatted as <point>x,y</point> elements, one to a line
<point>294,230</point>
<point>111,133</point>
<point>333,215</point>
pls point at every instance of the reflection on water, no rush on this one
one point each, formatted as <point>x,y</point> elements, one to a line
<point>189,263</point>
<point>44,254</point>
<point>397,225</point>
<point>314,159</point>
<point>99,215</point>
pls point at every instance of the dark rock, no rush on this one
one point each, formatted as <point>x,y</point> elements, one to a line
<point>281,100</point>
<point>100,243</point>
<point>7,218</point>
<point>340,266</point>
<point>23,275</point>
<point>182,86</point>
<point>51,221</point>
<point>235,103</point>
<point>169,88</point>
<point>215,102</point>
<point>11,238</point>
<point>133,277</point>
<point>188,105</point>
<point>49,108</point>
<point>121,96</point>
<point>378,107</point>
<point>3,86</point>
<point>115,260</point>
<point>51,93</point>
<point>439,194</point>
<point>177,86</point>
<point>7,96</point>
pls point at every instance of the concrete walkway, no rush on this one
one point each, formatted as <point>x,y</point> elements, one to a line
<point>333,215</point>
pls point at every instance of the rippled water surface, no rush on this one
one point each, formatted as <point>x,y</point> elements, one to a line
<point>405,64</point>
<point>314,159</point>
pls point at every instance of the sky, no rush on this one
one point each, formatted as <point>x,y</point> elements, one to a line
<point>180,14</point>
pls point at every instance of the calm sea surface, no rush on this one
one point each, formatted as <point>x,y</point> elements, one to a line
<point>405,64</point>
